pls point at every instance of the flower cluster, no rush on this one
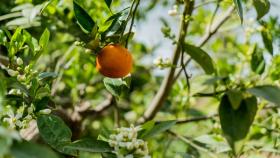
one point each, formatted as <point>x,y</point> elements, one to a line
<point>127,145</point>
<point>162,63</point>
<point>26,82</point>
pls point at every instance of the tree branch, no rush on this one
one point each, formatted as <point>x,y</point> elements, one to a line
<point>166,85</point>
<point>212,30</point>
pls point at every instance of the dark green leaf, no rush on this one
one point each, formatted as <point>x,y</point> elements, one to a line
<point>55,132</point>
<point>268,92</point>
<point>30,150</point>
<point>108,3</point>
<point>114,86</point>
<point>146,127</point>
<point>159,128</point>
<point>236,123</point>
<point>257,61</point>
<point>235,97</point>
<point>201,57</point>
<point>267,40</point>
<point>89,145</point>
<point>238,5</point>
<point>84,20</point>
<point>262,7</point>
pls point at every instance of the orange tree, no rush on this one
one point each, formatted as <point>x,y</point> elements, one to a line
<point>76,81</point>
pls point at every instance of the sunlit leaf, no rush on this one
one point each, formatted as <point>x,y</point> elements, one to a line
<point>238,5</point>
<point>268,92</point>
<point>159,128</point>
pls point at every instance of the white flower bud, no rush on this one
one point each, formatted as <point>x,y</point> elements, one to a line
<point>45,111</point>
<point>158,61</point>
<point>172,12</point>
<point>88,51</point>
<point>21,78</point>
<point>12,72</point>
<point>167,61</point>
<point>119,137</point>
<point>19,61</point>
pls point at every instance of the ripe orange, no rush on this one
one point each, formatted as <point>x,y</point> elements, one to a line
<point>114,61</point>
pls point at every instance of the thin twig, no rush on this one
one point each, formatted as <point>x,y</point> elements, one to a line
<point>191,143</point>
<point>132,22</point>
<point>214,28</point>
<point>166,85</point>
<point>183,66</point>
<point>196,119</point>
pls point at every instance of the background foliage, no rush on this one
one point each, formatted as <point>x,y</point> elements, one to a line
<point>219,94</point>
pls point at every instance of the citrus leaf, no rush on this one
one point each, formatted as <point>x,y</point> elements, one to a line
<point>238,5</point>
<point>89,145</point>
<point>115,86</point>
<point>201,57</point>
<point>267,40</point>
<point>262,7</point>
<point>84,20</point>
<point>159,128</point>
<point>30,150</point>
<point>108,3</point>
<point>55,132</point>
<point>236,123</point>
<point>235,97</point>
<point>257,61</point>
<point>44,39</point>
<point>268,92</point>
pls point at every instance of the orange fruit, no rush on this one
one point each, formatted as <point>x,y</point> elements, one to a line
<point>114,61</point>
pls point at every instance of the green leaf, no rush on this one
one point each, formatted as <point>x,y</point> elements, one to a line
<point>146,128</point>
<point>268,92</point>
<point>16,42</point>
<point>3,38</point>
<point>236,123</point>
<point>44,39</point>
<point>55,132</point>
<point>115,23</point>
<point>12,83</point>
<point>257,61</point>
<point>108,3</point>
<point>47,75</point>
<point>30,150</point>
<point>201,57</point>
<point>31,41</point>
<point>89,145</point>
<point>235,97</point>
<point>84,20</point>
<point>267,40</point>
<point>159,128</point>
<point>262,7</point>
<point>238,5</point>
<point>115,86</point>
